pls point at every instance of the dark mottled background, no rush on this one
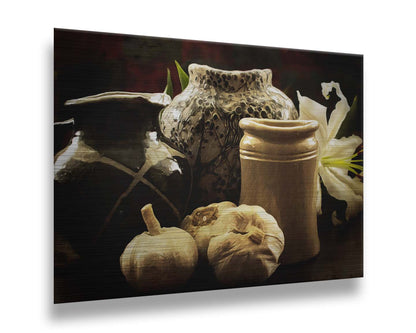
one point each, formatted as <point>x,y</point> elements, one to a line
<point>88,63</point>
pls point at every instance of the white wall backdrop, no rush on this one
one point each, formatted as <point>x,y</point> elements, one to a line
<point>382,31</point>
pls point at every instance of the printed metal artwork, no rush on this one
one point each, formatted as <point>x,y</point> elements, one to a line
<point>188,166</point>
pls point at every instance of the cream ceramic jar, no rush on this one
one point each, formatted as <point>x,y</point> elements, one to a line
<point>278,171</point>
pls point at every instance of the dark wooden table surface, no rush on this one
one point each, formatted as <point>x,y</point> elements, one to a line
<point>341,256</point>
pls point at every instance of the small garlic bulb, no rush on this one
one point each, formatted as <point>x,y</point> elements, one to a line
<point>160,259</point>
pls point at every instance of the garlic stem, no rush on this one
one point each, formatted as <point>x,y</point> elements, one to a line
<point>255,234</point>
<point>152,223</point>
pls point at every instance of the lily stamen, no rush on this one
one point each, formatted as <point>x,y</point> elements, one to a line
<point>344,163</point>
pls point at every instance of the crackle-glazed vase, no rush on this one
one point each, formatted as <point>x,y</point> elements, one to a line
<point>279,173</point>
<point>202,122</point>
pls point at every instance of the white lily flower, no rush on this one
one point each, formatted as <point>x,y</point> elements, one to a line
<point>336,156</point>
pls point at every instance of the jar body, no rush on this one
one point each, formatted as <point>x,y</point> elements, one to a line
<point>114,165</point>
<point>202,123</point>
<point>278,169</point>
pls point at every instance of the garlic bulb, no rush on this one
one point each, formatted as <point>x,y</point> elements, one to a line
<point>249,252</point>
<point>159,259</point>
<point>201,224</point>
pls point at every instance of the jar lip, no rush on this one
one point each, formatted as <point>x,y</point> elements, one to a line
<point>273,128</point>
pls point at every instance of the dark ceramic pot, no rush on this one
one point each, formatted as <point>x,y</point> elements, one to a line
<point>113,166</point>
<point>202,122</point>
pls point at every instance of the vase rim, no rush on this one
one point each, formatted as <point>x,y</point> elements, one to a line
<point>274,128</point>
<point>229,80</point>
<point>226,71</point>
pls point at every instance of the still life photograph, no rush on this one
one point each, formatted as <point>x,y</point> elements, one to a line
<point>184,166</point>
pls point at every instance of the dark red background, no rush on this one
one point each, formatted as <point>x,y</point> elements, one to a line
<point>88,63</point>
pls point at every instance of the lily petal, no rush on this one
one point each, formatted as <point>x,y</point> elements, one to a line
<point>318,196</point>
<point>311,110</point>
<point>341,108</point>
<point>343,187</point>
<point>344,147</point>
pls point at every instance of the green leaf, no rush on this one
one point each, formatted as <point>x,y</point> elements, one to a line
<point>349,125</point>
<point>169,85</point>
<point>354,105</point>
<point>183,77</point>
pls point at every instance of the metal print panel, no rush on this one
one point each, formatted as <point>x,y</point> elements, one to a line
<point>188,166</point>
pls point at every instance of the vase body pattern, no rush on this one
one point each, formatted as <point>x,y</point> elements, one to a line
<point>279,173</point>
<point>113,166</point>
<point>202,123</point>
